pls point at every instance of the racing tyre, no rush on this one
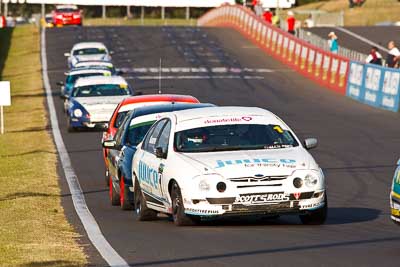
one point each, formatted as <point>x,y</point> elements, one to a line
<point>107,178</point>
<point>178,210</point>
<point>142,212</point>
<point>316,217</point>
<point>123,195</point>
<point>70,128</point>
<point>114,196</point>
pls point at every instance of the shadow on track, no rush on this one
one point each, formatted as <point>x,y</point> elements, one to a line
<point>329,245</point>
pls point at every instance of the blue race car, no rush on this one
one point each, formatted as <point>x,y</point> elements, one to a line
<point>395,195</point>
<point>122,148</point>
<point>81,72</point>
<point>93,100</point>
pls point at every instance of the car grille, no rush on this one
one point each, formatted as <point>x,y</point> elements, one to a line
<point>244,182</point>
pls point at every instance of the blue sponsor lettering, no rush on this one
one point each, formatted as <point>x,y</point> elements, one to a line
<point>148,175</point>
<point>222,163</point>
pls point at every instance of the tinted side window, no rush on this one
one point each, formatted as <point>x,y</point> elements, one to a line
<point>151,138</point>
<point>163,140</point>
<point>120,118</point>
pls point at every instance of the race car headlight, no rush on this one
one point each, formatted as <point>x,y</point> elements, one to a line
<point>204,186</point>
<point>311,180</point>
<point>78,113</point>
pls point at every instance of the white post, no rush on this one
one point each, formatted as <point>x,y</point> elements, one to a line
<point>104,12</point>
<point>187,13</point>
<point>142,15</point>
<point>43,11</point>
<point>1,1</point>
<point>128,12</point>
<point>162,12</point>
<point>2,120</point>
<point>6,9</point>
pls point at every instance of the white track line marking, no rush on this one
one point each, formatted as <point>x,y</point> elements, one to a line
<point>92,228</point>
<point>365,40</point>
<point>193,77</point>
<point>196,70</point>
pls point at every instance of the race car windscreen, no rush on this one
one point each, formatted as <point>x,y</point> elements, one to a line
<point>233,137</point>
<point>136,132</point>
<point>101,90</point>
<point>66,10</point>
<point>89,51</point>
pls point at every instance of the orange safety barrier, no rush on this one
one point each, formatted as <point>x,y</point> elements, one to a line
<point>326,68</point>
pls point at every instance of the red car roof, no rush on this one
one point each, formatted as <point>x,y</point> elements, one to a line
<point>159,97</point>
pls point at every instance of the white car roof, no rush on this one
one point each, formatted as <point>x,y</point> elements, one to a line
<point>94,63</point>
<point>93,80</point>
<point>84,71</point>
<point>192,118</point>
<point>84,45</point>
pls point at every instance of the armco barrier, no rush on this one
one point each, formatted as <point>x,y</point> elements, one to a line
<point>330,70</point>
<point>374,85</point>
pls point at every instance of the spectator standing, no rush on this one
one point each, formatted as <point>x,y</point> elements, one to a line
<point>257,6</point>
<point>393,56</point>
<point>291,21</point>
<point>309,22</point>
<point>275,19</point>
<point>374,57</point>
<point>267,15</point>
<point>333,43</point>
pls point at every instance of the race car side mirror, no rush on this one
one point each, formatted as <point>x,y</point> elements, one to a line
<point>160,153</point>
<point>67,54</point>
<point>111,144</point>
<point>310,143</point>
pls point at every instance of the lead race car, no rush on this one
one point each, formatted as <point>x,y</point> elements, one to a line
<point>219,161</point>
<point>395,195</point>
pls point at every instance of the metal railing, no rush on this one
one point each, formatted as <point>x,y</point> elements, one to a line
<point>323,44</point>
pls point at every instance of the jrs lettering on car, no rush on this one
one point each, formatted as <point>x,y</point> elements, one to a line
<point>148,175</point>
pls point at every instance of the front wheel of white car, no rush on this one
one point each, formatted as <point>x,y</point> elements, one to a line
<point>142,212</point>
<point>316,217</point>
<point>178,210</point>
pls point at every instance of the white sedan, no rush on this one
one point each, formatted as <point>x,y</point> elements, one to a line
<point>221,161</point>
<point>87,51</point>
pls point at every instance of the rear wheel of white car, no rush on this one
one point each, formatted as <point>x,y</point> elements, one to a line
<point>178,210</point>
<point>142,212</point>
<point>316,217</point>
<point>123,195</point>
<point>114,196</point>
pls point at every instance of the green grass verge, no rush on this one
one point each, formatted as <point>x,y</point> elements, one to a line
<point>138,22</point>
<point>372,12</point>
<point>33,227</point>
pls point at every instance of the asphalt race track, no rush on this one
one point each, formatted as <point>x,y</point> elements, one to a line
<point>358,149</point>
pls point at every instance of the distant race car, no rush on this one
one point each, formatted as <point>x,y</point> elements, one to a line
<point>76,73</point>
<point>395,195</point>
<point>93,100</point>
<point>131,103</point>
<point>123,147</point>
<point>67,15</point>
<point>226,161</point>
<point>87,51</point>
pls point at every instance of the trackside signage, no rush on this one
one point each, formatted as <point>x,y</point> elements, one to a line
<point>5,94</point>
<point>374,85</point>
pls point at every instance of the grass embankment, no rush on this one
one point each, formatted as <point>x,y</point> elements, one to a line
<point>33,227</point>
<point>372,12</point>
<point>138,22</point>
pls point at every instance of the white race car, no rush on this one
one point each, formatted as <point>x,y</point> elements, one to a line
<point>93,100</point>
<point>87,51</point>
<point>219,161</point>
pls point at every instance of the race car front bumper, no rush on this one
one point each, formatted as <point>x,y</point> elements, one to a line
<point>232,206</point>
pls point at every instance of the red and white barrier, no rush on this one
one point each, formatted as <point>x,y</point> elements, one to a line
<point>3,22</point>
<point>328,69</point>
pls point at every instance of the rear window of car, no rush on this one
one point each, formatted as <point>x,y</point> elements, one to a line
<point>101,90</point>
<point>66,10</point>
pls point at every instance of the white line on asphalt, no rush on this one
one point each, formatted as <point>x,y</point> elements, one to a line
<point>365,40</point>
<point>196,70</point>
<point>92,228</point>
<point>193,77</point>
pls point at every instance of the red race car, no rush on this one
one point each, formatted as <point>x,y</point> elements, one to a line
<point>67,15</point>
<point>133,102</point>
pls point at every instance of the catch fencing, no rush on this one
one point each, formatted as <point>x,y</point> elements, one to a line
<point>369,84</point>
